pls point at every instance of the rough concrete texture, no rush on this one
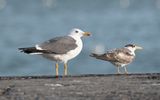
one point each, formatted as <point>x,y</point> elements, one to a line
<point>82,87</point>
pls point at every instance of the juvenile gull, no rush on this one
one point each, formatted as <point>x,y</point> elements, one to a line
<point>119,57</point>
<point>59,49</point>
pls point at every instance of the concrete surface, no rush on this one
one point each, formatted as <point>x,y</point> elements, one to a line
<point>83,87</point>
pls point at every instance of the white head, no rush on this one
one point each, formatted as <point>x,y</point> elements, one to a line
<point>132,47</point>
<point>78,33</point>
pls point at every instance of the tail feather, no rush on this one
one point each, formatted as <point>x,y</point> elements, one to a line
<point>29,50</point>
<point>33,50</point>
<point>99,56</point>
<point>94,55</point>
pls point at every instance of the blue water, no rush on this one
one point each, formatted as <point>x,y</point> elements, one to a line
<point>113,23</point>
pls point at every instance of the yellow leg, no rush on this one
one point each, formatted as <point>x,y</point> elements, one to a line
<point>56,69</point>
<point>65,69</point>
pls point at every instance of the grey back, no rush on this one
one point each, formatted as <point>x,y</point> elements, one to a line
<point>59,45</point>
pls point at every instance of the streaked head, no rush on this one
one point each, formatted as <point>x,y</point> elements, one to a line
<point>133,47</point>
<point>78,32</point>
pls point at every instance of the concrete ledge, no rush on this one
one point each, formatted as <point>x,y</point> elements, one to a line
<point>144,86</point>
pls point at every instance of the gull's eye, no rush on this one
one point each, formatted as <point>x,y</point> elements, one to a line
<point>76,31</point>
<point>133,46</point>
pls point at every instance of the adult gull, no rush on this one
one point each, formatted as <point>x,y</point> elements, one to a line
<point>59,49</point>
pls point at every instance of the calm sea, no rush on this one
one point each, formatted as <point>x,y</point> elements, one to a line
<point>113,23</point>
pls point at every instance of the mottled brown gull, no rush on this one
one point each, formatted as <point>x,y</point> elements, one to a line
<point>120,57</point>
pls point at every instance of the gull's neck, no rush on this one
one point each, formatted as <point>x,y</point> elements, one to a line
<point>74,36</point>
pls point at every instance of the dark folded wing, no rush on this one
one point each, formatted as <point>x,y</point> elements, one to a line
<point>122,55</point>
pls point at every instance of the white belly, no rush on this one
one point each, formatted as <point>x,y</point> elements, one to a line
<point>119,64</point>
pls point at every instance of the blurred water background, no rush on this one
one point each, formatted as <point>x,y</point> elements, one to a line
<point>113,24</point>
